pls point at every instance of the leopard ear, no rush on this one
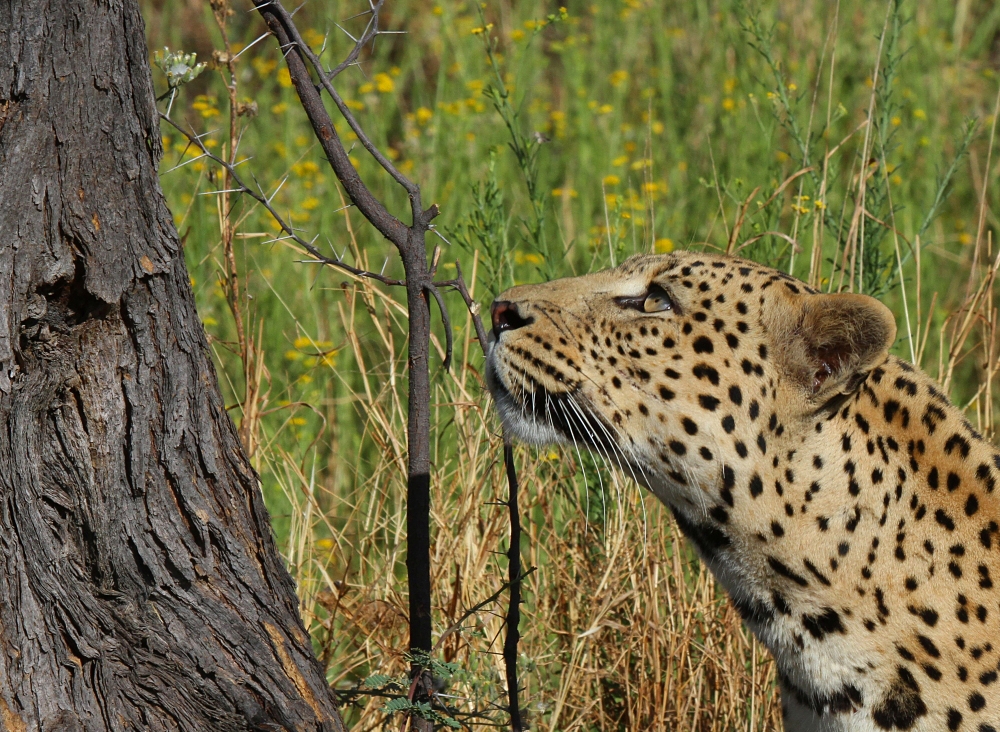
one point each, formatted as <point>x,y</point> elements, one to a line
<point>838,340</point>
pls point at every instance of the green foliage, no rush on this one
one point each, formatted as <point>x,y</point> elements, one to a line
<point>402,705</point>
<point>555,143</point>
<point>485,230</point>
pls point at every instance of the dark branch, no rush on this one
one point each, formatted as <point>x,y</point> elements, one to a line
<point>459,284</point>
<point>514,570</point>
<point>326,78</point>
<point>280,23</point>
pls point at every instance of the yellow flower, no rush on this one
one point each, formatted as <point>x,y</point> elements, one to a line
<point>284,78</point>
<point>919,114</point>
<point>729,85</point>
<point>611,180</point>
<point>424,115</point>
<point>279,108</point>
<point>305,168</point>
<point>206,105</point>
<point>964,238</point>
<point>605,109</point>
<point>438,10</point>
<point>620,161</point>
<point>292,355</point>
<point>480,31</point>
<point>896,179</point>
<point>618,77</point>
<point>305,379</point>
<point>209,321</point>
<point>896,121</point>
<point>533,258</point>
<point>263,66</point>
<point>310,203</point>
<point>663,246</point>
<point>328,543</point>
<point>384,83</point>
<point>611,199</point>
<point>366,88</point>
<point>297,421</point>
<point>728,104</point>
<point>792,87</point>
<point>517,34</point>
<point>657,128</point>
<point>682,166</point>
<point>313,37</point>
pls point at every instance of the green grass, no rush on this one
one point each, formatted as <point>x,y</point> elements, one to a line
<point>660,121</point>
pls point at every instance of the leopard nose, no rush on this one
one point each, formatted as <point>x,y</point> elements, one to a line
<point>506,317</point>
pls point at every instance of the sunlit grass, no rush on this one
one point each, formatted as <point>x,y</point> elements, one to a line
<point>656,126</point>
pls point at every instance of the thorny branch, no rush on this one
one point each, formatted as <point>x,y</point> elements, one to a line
<point>326,79</point>
<point>411,244</point>
<point>259,196</point>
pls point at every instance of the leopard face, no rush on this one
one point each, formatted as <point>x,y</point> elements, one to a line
<point>836,494</point>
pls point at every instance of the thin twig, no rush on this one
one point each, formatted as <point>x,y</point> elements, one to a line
<point>449,338</point>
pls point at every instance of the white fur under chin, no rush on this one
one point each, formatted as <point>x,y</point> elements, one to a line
<point>518,426</point>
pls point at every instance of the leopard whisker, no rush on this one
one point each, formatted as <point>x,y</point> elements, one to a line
<point>586,484</point>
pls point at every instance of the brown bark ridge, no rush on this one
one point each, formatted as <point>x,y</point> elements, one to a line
<point>140,586</point>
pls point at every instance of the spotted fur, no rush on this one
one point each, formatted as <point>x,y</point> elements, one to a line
<point>845,505</point>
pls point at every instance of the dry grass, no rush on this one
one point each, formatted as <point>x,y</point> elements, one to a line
<point>623,629</point>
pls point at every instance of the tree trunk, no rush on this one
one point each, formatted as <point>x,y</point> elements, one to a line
<point>140,586</point>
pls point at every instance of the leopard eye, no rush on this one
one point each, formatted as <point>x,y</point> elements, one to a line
<point>657,300</point>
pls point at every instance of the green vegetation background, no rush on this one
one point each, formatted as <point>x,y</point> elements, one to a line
<point>651,123</point>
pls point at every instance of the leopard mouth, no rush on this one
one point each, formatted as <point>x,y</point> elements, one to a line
<point>535,415</point>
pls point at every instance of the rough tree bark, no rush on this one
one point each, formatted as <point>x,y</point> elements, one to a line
<point>140,586</point>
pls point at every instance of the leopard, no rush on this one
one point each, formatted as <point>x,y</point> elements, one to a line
<point>840,499</point>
